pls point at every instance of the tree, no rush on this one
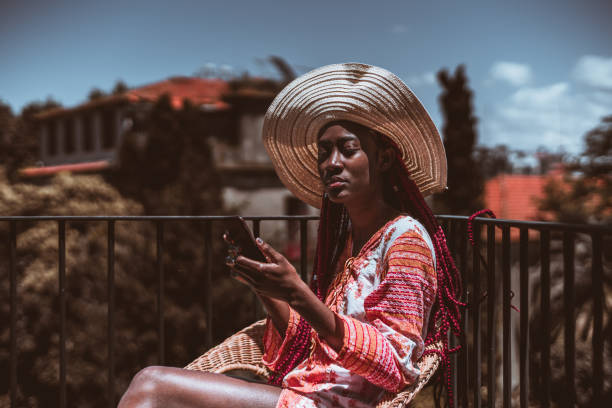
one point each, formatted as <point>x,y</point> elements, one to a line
<point>119,88</point>
<point>581,194</point>
<point>22,144</point>
<point>7,130</point>
<point>464,179</point>
<point>585,195</point>
<point>493,160</point>
<point>96,94</point>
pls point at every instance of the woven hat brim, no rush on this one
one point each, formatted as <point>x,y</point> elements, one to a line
<point>364,94</point>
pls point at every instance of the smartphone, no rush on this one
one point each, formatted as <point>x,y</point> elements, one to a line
<point>240,235</point>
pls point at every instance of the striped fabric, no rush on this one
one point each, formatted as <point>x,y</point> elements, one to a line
<point>385,305</point>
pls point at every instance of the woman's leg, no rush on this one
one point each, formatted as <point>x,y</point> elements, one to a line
<point>176,387</point>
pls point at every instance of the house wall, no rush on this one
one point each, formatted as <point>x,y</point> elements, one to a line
<point>270,202</point>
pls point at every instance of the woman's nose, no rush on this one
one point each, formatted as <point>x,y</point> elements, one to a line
<point>334,161</point>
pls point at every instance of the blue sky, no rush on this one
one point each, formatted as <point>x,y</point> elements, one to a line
<point>541,71</point>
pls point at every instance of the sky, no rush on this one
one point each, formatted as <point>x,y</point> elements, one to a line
<point>541,71</point>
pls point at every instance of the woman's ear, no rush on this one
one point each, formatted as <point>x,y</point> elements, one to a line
<point>386,158</point>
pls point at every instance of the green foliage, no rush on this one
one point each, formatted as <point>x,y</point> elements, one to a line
<point>493,160</point>
<point>585,191</point>
<point>166,163</point>
<point>119,88</point>
<point>20,143</point>
<point>95,94</point>
<point>136,287</point>
<point>465,182</point>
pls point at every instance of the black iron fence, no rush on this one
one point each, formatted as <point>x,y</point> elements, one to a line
<point>490,283</point>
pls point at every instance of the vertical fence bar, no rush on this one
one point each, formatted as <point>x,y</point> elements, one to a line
<point>491,334</point>
<point>256,306</point>
<point>62,305</point>
<point>507,368</point>
<point>545,313</point>
<point>476,297</point>
<point>110,335</point>
<point>465,372</point>
<point>13,300</point>
<point>524,315</point>
<point>208,289</point>
<point>304,249</point>
<point>451,231</point>
<point>161,332</point>
<point>568,308</point>
<point>598,297</point>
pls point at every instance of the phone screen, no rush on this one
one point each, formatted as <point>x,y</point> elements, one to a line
<point>242,237</point>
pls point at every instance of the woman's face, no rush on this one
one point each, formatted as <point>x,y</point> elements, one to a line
<point>347,162</point>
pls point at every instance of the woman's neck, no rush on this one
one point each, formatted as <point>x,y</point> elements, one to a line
<point>367,219</point>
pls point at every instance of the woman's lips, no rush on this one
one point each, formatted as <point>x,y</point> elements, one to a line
<point>335,184</point>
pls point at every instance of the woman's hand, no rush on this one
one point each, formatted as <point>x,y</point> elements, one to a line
<point>276,279</point>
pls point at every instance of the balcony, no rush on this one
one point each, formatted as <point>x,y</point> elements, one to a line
<point>536,295</point>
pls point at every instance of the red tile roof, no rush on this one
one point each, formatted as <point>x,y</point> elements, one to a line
<point>199,91</point>
<point>516,196</point>
<point>207,92</point>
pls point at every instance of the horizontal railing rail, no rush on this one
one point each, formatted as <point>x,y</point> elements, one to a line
<point>482,280</point>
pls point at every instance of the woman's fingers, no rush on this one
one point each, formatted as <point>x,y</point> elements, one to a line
<point>270,253</point>
<point>242,276</point>
<point>256,267</point>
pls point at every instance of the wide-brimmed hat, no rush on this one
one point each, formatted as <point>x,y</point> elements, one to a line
<point>364,94</point>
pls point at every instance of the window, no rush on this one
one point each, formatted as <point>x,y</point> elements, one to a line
<point>51,138</point>
<point>69,141</point>
<point>87,132</point>
<point>109,129</point>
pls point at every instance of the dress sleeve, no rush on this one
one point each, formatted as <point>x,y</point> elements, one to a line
<point>384,349</point>
<point>275,344</point>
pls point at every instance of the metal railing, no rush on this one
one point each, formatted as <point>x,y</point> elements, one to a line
<point>479,266</point>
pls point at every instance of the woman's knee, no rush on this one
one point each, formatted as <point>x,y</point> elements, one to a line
<point>143,389</point>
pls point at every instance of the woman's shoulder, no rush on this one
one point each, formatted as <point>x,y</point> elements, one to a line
<point>405,225</point>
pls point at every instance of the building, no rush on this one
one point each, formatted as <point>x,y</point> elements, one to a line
<point>88,137</point>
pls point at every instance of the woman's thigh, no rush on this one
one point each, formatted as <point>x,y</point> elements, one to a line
<point>176,387</point>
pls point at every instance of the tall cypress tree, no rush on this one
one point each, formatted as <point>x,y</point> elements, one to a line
<point>465,183</point>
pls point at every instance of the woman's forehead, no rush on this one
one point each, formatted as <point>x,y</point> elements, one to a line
<point>346,129</point>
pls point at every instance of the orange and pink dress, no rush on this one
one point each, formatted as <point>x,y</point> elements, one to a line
<point>384,296</point>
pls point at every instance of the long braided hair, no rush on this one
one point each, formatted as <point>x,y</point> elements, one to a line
<point>403,194</point>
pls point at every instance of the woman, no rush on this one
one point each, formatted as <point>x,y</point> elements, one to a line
<point>352,139</point>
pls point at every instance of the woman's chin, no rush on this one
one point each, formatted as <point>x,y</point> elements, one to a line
<point>338,196</point>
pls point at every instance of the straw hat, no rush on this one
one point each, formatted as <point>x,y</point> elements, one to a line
<point>368,95</point>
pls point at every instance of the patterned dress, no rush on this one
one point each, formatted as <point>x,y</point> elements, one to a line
<point>384,297</point>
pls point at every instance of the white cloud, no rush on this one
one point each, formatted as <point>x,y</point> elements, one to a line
<point>594,71</point>
<point>426,78</point>
<point>552,116</point>
<point>511,72</point>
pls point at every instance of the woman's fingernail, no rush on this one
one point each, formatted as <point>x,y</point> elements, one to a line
<point>259,240</point>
